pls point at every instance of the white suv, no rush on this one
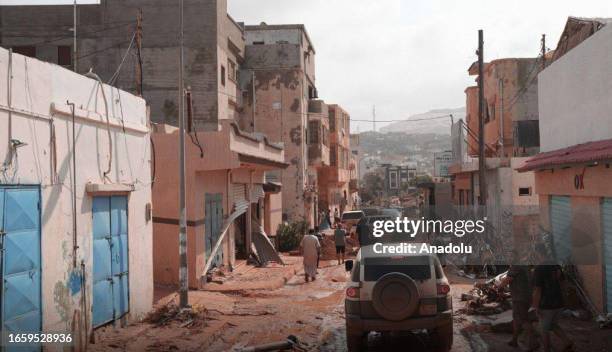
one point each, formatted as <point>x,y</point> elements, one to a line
<point>392,293</point>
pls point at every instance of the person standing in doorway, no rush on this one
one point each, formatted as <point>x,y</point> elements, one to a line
<point>310,252</point>
<point>548,299</point>
<point>340,239</point>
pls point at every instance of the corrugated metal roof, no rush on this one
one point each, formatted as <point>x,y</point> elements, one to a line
<point>576,154</point>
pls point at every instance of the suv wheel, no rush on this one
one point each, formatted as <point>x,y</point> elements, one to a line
<point>355,343</point>
<point>443,337</point>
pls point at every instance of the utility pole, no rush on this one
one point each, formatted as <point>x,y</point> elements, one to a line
<point>183,287</point>
<point>374,118</point>
<point>74,32</point>
<point>139,51</point>
<point>482,185</point>
<point>543,51</point>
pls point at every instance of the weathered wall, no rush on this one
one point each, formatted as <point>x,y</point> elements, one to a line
<point>35,87</point>
<point>574,94</point>
<point>105,32</point>
<point>586,218</point>
<point>281,111</point>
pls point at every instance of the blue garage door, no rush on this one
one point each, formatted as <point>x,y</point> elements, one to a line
<point>20,259</point>
<point>110,259</point>
<point>214,222</point>
<point>561,221</point>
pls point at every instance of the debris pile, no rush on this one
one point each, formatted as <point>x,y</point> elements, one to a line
<point>167,314</point>
<point>486,298</point>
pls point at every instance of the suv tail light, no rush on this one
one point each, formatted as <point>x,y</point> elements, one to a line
<point>352,292</point>
<point>443,289</point>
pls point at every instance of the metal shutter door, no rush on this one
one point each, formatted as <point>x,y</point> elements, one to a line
<point>20,257</point>
<point>561,221</point>
<point>606,215</point>
<point>257,192</point>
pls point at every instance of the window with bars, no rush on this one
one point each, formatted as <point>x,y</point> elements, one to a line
<point>231,74</point>
<point>313,132</point>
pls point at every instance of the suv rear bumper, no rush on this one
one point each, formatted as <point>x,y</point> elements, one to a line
<point>355,325</point>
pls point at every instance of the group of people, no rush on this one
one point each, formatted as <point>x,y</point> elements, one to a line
<point>311,249</point>
<point>540,289</point>
<point>325,217</point>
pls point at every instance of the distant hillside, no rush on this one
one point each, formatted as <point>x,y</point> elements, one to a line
<point>437,126</point>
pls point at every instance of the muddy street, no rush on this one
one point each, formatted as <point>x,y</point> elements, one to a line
<point>237,318</point>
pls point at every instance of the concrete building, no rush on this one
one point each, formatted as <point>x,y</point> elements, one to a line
<point>278,82</point>
<point>318,149</point>
<point>228,199</point>
<point>140,37</point>
<point>334,180</point>
<point>214,52</point>
<point>573,171</point>
<point>357,169</point>
<point>398,178</point>
<point>510,135</point>
<point>75,201</point>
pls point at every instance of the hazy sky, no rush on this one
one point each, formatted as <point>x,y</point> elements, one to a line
<point>408,56</point>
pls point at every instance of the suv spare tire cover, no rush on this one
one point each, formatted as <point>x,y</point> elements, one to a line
<point>395,296</point>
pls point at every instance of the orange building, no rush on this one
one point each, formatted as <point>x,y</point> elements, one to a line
<point>333,180</point>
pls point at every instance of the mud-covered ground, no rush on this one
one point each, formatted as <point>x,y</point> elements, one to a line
<point>313,312</point>
<point>237,315</point>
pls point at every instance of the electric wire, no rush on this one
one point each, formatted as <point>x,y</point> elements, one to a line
<point>114,77</point>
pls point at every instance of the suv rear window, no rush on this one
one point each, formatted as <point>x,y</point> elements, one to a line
<point>417,268</point>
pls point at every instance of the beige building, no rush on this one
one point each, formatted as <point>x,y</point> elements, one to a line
<point>573,172</point>
<point>334,190</point>
<point>232,202</point>
<point>278,83</point>
<point>228,199</point>
<point>75,201</point>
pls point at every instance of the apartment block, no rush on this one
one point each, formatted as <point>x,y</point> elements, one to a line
<point>278,83</point>
<point>134,45</point>
<point>334,191</point>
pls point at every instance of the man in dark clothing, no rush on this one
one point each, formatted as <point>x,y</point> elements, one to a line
<point>363,232</point>
<point>520,291</point>
<point>548,300</point>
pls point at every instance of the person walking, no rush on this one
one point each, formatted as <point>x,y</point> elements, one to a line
<point>319,236</point>
<point>520,291</point>
<point>340,240</point>
<point>548,299</point>
<point>310,252</point>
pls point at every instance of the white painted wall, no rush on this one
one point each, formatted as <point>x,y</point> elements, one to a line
<point>575,95</point>
<point>39,94</point>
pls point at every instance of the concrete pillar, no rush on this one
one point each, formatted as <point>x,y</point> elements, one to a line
<point>249,221</point>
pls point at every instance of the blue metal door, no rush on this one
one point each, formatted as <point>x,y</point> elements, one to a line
<point>214,223</point>
<point>110,259</point>
<point>20,302</point>
<point>561,221</point>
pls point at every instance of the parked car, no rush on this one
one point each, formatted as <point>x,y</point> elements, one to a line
<point>371,211</point>
<point>351,218</point>
<point>391,293</point>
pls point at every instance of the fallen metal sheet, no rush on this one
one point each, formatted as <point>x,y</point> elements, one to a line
<point>264,248</point>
